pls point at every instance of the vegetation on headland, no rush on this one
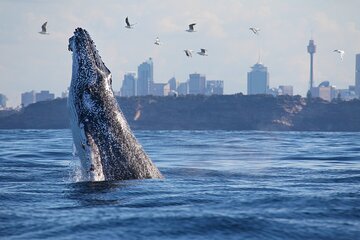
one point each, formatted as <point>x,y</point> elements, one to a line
<point>199,112</point>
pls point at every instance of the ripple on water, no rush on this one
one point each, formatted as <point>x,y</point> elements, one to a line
<point>218,185</point>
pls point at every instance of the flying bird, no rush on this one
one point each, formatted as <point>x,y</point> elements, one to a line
<point>255,30</point>
<point>43,29</point>
<point>203,52</point>
<point>128,25</point>
<point>157,41</point>
<point>191,28</point>
<point>188,52</point>
<point>342,52</point>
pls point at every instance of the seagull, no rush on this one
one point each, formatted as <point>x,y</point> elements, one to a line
<point>191,28</point>
<point>43,29</point>
<point>188,52</point>
<point>128,25</point>
<point>342,52</point>
<point>157,41</point>
<point>255,30</point>
<point>203,52</point>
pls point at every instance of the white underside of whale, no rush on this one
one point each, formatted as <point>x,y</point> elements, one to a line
<point>86,148</point>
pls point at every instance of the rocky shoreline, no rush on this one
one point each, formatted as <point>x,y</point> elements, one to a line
<point>198,112</point>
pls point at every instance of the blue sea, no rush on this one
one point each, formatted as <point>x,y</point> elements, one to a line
<point>218,185</point>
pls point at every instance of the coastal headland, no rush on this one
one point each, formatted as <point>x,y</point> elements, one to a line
<point>200,112</point>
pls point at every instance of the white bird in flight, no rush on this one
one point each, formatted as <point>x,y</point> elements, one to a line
<point>191,28</point>
<point>43,29</point>
<point>255,30</point>
<point>203,52</point>
<point>128,25</point>
<point>157,41</point>
<point>342,52</point>
<point>188,52</point>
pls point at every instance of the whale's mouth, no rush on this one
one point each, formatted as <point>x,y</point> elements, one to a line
<point>71,40</point>
<point>83,46</point>
<point>81,42</point>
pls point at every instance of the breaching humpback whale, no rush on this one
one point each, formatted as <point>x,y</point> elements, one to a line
<point>107,148</point>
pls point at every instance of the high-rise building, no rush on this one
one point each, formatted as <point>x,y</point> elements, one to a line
<point>215,87</point>
<point>357,75</point>
<point>173,84</point>
<point>128,88</point>
<point>324,91</point>
<point>183,88</point>
<point>311,48</point>
<point>145,78</point>
<point>44,96</point>
<point>197,83</point>
<point>3,100</point>
<point>160,89</point>
<point>258,79</point>
<point>27,98</point>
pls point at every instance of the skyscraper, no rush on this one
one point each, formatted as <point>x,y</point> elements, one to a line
<point>27,98</point>
<point>145,78</point>
<point>183,88</point>
<point>197,83</point>
<point>128,87</point>
<point>173,84</point>
<point>311,48</point>
<point>357,75</point>
<point>258,79</point>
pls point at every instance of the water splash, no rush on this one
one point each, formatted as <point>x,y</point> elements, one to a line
<point>75,173</point>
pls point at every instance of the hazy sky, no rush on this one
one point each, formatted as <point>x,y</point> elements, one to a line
<point>31,61</point>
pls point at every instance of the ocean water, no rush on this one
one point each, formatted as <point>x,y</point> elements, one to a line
<point>218,185</point>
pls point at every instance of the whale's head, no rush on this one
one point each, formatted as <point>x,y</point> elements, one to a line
<point>90,90</point>
<point>88,69</point>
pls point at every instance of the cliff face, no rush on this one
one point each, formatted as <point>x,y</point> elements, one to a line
<point>41,115</point>
<point>227,112</point>
<point>320,115</point>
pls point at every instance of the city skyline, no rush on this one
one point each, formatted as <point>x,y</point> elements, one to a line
<point>34,61</point>
<point>143,84</point>
<point>258,82</point>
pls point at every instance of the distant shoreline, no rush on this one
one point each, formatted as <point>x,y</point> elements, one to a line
<point>199,112</point>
